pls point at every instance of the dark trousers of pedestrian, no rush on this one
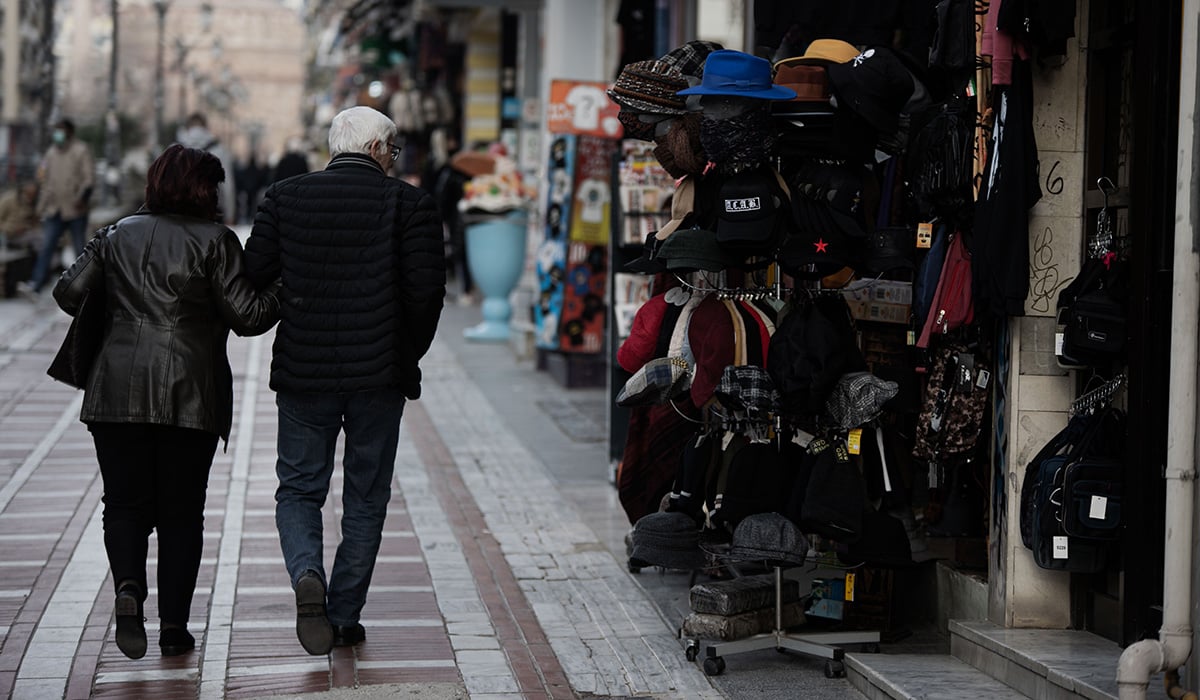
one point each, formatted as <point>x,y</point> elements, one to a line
<point>309,425</point>
<point>155,478</point>
<point>52,231</point>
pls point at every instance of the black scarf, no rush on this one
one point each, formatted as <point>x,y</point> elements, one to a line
<point>741,142</point>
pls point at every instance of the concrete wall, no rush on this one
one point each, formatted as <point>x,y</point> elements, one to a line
<point>1039,392</point>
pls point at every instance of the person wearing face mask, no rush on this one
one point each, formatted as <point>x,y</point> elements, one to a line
<point>66,176</point>
<point>18,218</point>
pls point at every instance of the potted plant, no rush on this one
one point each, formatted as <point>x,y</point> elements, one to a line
<point>495,205</point>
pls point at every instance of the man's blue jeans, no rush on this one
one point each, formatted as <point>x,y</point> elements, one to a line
<point>308,431</point>
<point>52,230</point>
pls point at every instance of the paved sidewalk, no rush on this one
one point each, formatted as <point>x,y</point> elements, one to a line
<point>501,573</point>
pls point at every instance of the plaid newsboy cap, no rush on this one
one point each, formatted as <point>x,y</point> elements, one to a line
<point>689,58</point>
<point>858,397</point>
<point>747,387</point>
<point>658,381</point>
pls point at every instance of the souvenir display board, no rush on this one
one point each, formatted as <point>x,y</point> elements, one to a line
<point>551,263</point>
<point>582,320</point>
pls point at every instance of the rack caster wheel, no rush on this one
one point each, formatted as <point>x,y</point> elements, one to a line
<point>872,648</point>
<point>692,650</point>
<point>714,666</point>
<point>835,669</point>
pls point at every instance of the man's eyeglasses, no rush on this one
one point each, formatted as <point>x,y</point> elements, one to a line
<point>394,150</point>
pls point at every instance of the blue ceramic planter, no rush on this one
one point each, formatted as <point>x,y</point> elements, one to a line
<point>496,257</point>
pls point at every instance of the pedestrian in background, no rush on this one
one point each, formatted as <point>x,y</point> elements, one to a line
<point>195,134</point>
<point>18,218</point>
<point>294,161</point>
<point>67,176</point>
<point>160,393</point>
<point>352,330</point>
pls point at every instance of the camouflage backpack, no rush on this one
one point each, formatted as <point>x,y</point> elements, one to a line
<point>956,397</point>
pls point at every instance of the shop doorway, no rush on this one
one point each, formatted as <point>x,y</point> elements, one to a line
<point>1132,96</point>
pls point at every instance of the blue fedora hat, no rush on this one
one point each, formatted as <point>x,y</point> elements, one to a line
<point>739,74</point>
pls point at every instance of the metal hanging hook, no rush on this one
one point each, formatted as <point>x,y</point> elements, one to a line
<point>1107,187</point>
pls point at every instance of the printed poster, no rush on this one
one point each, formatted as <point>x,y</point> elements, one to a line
<point>578,107</point>
<point>591,209</point>
<point>551,263</point>
<point>584,309</point>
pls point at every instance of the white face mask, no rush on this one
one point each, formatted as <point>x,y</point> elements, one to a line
<point>59,136</point>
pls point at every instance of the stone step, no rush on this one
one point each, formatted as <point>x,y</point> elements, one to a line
<point>1050,664</point>
<point>922,677</point>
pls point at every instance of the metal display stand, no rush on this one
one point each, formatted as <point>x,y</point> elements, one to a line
<point>822,645</point>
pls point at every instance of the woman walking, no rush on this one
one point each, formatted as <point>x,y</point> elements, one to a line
<point>160,392</point>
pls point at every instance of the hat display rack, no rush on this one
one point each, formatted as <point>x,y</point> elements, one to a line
<point>845,113</point>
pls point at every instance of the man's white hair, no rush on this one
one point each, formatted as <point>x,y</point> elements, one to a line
<point>353,130</point>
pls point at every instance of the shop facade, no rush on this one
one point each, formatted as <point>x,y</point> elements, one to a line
<point>1104,118</point>
<point>1104,114</point>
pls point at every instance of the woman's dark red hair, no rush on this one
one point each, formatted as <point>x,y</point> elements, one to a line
<point>184,181</point>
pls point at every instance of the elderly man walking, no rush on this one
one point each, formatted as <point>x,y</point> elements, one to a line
<point>361,260</point>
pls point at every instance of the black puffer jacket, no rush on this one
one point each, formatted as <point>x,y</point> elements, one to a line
<point>174,287</point>
<point>360,255</point>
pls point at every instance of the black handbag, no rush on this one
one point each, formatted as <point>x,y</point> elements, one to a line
<point>1091,315</point>
<point>74,360</point>
<point>1091,498</point>
<point>1094,326</point>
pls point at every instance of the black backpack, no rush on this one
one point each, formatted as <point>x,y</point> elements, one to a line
<point>811,349</point>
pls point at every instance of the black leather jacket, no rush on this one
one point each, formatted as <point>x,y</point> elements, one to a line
<point>175,287</point>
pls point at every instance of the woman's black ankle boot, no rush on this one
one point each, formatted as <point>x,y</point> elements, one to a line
<point>131,625</point>
<point>174,640</point>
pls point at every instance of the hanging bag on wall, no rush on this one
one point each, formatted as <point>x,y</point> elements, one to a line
<point>1091,316</point>
<point>953,305</point>
<point>1092,492</point>
<point>892,244</point>
<point>928,273</point>
<point>955,400</point>
<point>1054,448</point>
<point>1087,453</point>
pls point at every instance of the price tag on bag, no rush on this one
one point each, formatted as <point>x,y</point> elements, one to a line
<point>1099,508</point>
<point>1060,546</point>
<point>850,587</point>
<point>854,441</point>
<point>924,234</point>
